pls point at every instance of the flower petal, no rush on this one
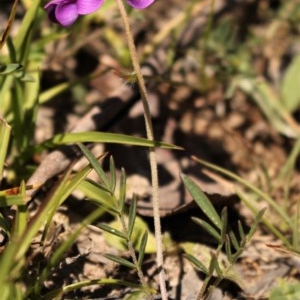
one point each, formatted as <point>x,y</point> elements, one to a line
<point>53,2</point>
<point>66,12</point>
<point>85,7</point>
<point>51,12</point>
<point>140,4</point>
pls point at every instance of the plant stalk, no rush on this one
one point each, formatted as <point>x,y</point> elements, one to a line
<point>152,153</point>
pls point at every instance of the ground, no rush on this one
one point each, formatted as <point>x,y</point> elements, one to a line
<point>213,71</point>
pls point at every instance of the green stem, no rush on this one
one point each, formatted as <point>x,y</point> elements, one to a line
<point>5,131</point>
<point>134,259</point>
<point>150,136</point>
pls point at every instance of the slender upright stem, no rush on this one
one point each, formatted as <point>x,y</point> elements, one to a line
<point>152,154</point>
<point>135,260</point>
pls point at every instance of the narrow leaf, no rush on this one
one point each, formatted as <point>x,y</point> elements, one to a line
<point>112,172</point>
<point>228,249</point>
<point>98,194</point>
<point>140,226</point>
<point>65,187</point>
<point>103,137</point>
<point>256,221</point>
<point>120,261</point>
<point>290,85</point>
<point>22,39</point>
<point>144,240</point>
<point>281,212</point>
<point>211,267</point>
<point>224,220</point>
<point>22,215</point>
<point>58,293</point>
<point>131,216</point>
<point>197,263</point>
<point>122,192</point>
<point>113,231</point>
<point>10,68</point>
<point>5,130</point>
<point>95,164</point>
<point>10,200</point>
<point>202,201</point>
<point>58,254</point>
<point>4,223</point>
<point>212,231</point>
<point>216,266</point>
<point>234,240</point>
<point>241,230</point>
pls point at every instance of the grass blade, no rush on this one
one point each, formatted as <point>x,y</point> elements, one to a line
<point>112,172</point>
<point>9,68</point>
<point>102,137</point>
<point>280,211</point>
<point>21,216</point>
<point>23,37</point>
<point>5,130</point>
<point>62,249</point>
<point>65,187</point>
<point>78,285</point>
<point>10,200</point>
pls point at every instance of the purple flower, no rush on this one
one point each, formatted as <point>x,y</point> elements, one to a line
<point>140,4</point>
<point>65,12</point>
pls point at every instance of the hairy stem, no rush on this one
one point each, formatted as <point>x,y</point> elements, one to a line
<point>150,136</point>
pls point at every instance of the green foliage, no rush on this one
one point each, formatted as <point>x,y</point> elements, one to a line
<point>285,290</point>
<point>5,130</point>
<point>280,211</point>
<point>10,68</point>
<point>19,82</point>
<point>12,260</point>
<point>117,239</point>
<point>57,294</point>
<point>290,85</point>
<point>202,201</point>
<point>213,263</point>
<point>125,227</point>
<point>103,137</point>
<point>219,52</point>
<point>269,103</point>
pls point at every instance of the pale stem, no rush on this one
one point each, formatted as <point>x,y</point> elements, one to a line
<point>152,156</point>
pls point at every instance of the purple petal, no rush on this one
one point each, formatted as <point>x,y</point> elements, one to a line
<point>66,12</point>
<point>51,13</point>
<point>140,4</point>
<point>54,3</point>
<point>88,6</point>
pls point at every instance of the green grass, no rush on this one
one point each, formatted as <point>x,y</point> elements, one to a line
<point>218,52</point>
